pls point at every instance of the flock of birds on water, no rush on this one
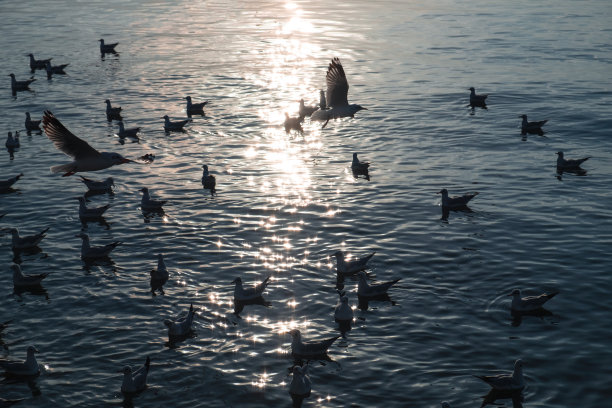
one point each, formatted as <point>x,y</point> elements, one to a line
<point>332,105</point>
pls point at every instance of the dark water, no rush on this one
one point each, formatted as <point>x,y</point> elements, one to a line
<point>286,203</point>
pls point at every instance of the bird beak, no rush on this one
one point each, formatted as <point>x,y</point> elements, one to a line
<point>510,294</point>
<point>365,108</point>
<point>124,160</point>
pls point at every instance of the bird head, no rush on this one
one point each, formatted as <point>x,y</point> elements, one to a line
<point>515,292</point>
<point>560,154</point>
<point>471,89</point>
<point>523,116</point>
<point>12,75</point>
<point>168,323</point>
<point>32,350</point>
<point>338,254</point>
<point>187,98</point>
<point>295,333</point>
<point>110,181</point>
<point>127,370</point>
<point>237,280</point>
<point>443,191</point>
<point>361,275</point>
<point>144,190</point>
<point>518,364</point>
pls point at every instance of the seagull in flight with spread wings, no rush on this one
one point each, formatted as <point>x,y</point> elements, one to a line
<point>337,91</point>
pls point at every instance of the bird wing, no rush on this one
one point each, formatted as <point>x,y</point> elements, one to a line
<point>337,85</point>
<point>64,140</point>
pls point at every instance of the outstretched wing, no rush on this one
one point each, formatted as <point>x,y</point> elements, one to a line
<point>337,86</point>
<point>64,140</point>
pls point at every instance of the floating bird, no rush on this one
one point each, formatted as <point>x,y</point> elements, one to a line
<point>529,303</point>
<point>21,280</point>
<point>12,142</point>
<point>315,348</point>
<point>20,85</point>
<point>6,184</point>
<point>359,166</point>
<point>112,112</point>
<point>531,126</point>
<point>129,132</point>
<point>159,276</point>
<point>208,180</point>
<point>242,294</point>
<point>455,202</point>
<point>94,185</point>
<point>300,383</point>
<point>195,108</point>
<point>31,124</point>
<point>182,325</point>
<point>293,123</point>
<point>366,290</point>
<point>29,241</point>
<point>174,126</point>
<point>86,158</point>
<point>37,64</point>
<point>512,381</point>
<point>55,70</point>
<point>306,110</point>
<point>135,381</point>
<point>91,212</point>
<point>107,48</point>
<point>350,267</point>
<point>569,164</point>
<point>322,102</point>
<point>337,92</point>
<point>26,368</point>
<point>147,204</point>
<point>343,312</point>
<point>89,252</point>
<point>476,99</point>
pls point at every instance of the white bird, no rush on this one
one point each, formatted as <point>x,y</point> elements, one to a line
<point>29,241</point>
<point>26,368</point>
<point>31,124</point>
<point>86,158</point>
<point>150,205</point>
<point>476,99</point>
<point>343,312</point>
<point>20,85</point>
<point>37,64</point>
<point>159,276</point>
<point>107,48</point>
<point>366,290</point>
<point>182,325</point>
<point>300,383</point>
<point>22,280</point>
<point>293,124</point>
<point>350,267</point>
<point>315,348</point>
<point>91,212</point>
<point>531,126</point>
<point>174,126</point>
<point>208,180</point>
<point>337,93</point>
<point>112,112</point>
<point>129,132</point>
<point>568,164</point>
<point>508,382</point>
<point>250,293</point>
<point>94,185</point>
<point>306,110</point>
<point>135,381</point>
<point>359,166</point>
<point>529,303</point>
<point>195,108</point>
<point>57,69</point>
<point>89,252</point>
<point>12,142</point>
<point>6,184</point>
<point>455,202</point>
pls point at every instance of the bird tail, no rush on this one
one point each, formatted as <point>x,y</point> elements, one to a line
<point>370,256</point>
<point>552,295</point>
<point>67,168</point>
<point>265,283</point>
<point>43,231</point>
<point>147,364</point>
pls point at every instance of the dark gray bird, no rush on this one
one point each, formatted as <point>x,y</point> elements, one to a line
<point>12,142</point>
<point>28,241</point>
<point>476,99</point>
<point>367,290</point>
<point>293,124</point>
<point>6,184</point>
<point>22,280</point>
<point>107,48</point>
<point>89,252</point>
<point>26,368</point>
<point>529,303</point>
<point>455,202</point>
<point>359,166</point>
<point>37,64</point>
<point>20,85</point>
<point>112,112</point>
<point>159,276</point>
<point>174,126</point>
<point>208,180</point>
<point>31,124</point>
<point>569,164</point>
<point>195,108</point>
<point>314,348</point>
<point>147,204</point>
<point>55,70</point>
<point>94,185</point>
<point>129,132</point>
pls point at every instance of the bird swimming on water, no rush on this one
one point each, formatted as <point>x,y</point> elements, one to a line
<point>455,202</point>
<point>135,381</point>
<point>195,108</point>
<point>26,368</point>
<point>28,241</point>
<point>359,166</point>
<point>12,142</point>
<point>569,164</point>
<point>107,48</point>
<point>31,124</point>
<point>532,127</point>
<point>55,70</point>
<point>22,280</point>
<point>147,204</point>
<point>293,123</point>
<point>529,303</point>
<point>159,276</point>
<point>337,92</point>
<point>6,184</point>
<point>112,112</point>
<point>174,126</point>
<point>129,132</point>
<point>20,85</point>
<point>89,252</point>
<point>94,185</point>
<point>475,99</point>
<point>37,64</point>
<point>306,110</point>
<point>208,180</point>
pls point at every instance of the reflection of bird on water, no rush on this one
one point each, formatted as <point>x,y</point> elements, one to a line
<point>366,290</point>
<point>314,348</point>
<point>532,127</point>
<point>337,92</point>
<point>350,267</point>
<point>293,124</point>
<point>159,276</point>
<point>241,293</point>
<point>26,368</point>
<point>529,303</point>
<point>455,202</point>
<point>514,381</point>
<point>569,164</point>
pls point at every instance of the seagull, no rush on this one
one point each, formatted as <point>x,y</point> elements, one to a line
<point>359,166</point>
<point>57,69</point>
<point>315,348</point>
<point>568,164</point>
<point>135,381</point>
<point>300,383</point>
<point>306,110</point>
<point>94,185</point>
<point>31,124</point>
<point>174,126</point>
<point>182,325</point>
<point>337,91</point>
<point>91,212</point>
<point>159,276</point>
<point>129,132</point>
<point>366,290</point>
<point>20,85</point>
<point>21,280</point>
<point>477,99</point>
<point>322,102</point>
<point>293,124</point>
<point>86,158</point>
<point>531,126</point>
<point>6,184</point>
<point>350,267</point>
<point>195,108</point>
<point>343,312</point>
<point>112,112</point>
<point>506,382</point>
<point>251,293</point>
<point>208,180</point>
<point>109,48</point>
<point>89,252</point>
<point>529,303</point>
<point>37,64</point>
<point>455,202</point>
<point>12,142</point>
<point>147,204</point>
<point>29,241</point>
<point>26,368</point>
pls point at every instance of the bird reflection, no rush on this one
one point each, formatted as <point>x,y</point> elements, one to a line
<point>11,151</point>
<point>579,171</point>
<point>37,290</point>
<point>174,340</point>
<point>89,263</point>
<point>361,172</point>
<point>240,304</point>
<point>364,301</point>
<point>446,211</point>
<point>149,214</point>
<point>100,220</point>
<point>30,380</point>
<point>26,251</point>
<point>517,317</point>
<point>516,395</point>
